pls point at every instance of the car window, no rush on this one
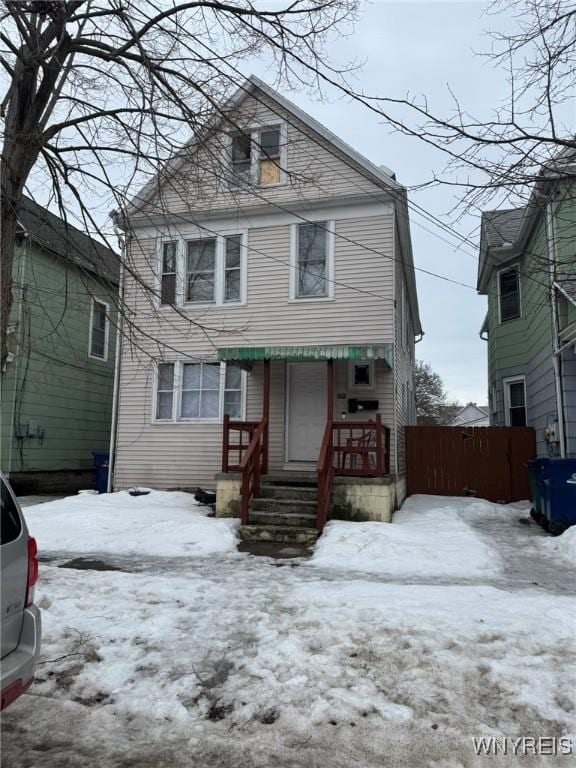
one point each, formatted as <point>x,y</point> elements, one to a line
<point>10,524</point>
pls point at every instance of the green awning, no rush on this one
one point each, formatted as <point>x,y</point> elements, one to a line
<point>310,352</point>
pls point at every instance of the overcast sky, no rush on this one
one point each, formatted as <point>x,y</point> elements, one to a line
<point>421,48</point>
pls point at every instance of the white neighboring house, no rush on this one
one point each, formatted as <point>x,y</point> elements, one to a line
<point>296,260</point>
<point>471,415</point>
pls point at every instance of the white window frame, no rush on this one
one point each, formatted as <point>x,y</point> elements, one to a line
<point>94,301</point>
<point>254,132</point>
<point>161,241</point>
<point>506,382</point>
<point>330,246</point>
<point>219,267</point>
<point>176,417</point>
<point>515,266</point>
<point>363,387</point>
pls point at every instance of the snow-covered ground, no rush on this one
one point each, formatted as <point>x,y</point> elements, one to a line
<point>164,523</point>
<point>429,537</point>
<point>398,657</point>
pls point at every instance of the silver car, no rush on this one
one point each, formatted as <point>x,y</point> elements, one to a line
<point>21,627</point>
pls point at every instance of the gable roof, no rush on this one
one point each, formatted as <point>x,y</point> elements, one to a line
<point>505,233</point>
<point>57,236</point>
<point>499,234</point>
<point>380,175</point>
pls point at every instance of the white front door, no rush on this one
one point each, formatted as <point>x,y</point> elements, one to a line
<point>305,410</point>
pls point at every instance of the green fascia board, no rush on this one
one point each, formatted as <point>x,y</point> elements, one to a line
<point>309,352</point>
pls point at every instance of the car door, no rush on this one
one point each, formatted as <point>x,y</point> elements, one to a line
<point>13,568</point>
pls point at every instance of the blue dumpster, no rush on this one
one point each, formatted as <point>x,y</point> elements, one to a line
<point>101,464</point>
<point>557,482</point>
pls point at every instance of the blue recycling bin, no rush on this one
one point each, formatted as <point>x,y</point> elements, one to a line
<point>557,482</point>
<point>101,465</point>
<point>536,476</point>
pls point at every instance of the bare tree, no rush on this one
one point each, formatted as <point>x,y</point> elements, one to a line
<point>99,95</point>
<point>432,405</point>
<point>530,135</point>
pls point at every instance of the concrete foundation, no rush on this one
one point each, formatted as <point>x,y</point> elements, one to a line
<point>363,499</point>
<point>353,498</point>
<point>228,494</point>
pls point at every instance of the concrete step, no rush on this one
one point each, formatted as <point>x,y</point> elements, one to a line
<point>279,533</point>
<point>290,478</point>
<point>257,517</point>
<point>301,493</point>
<point>284,506</point>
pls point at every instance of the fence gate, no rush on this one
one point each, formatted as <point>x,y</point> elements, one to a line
<point>488,462</point>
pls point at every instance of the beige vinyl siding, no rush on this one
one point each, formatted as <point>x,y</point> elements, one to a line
<point>361,310</point>
<point>316,171</point>
<point>188,454</point>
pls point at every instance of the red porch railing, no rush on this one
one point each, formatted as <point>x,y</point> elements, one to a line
<point>248,455</point>
<point>352,448</point>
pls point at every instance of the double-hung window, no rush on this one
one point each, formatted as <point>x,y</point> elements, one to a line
<point>192,391</point>
<point>269,161</point>
<point>200,398</point>
<point>509,293</point>
<point>232,268</point>
<point>312,262</point>
<point>515,401</point>
<point>99,330</point>
<point>241,159</point>
<point>168,274</point>
<point>201,270</point>
<point>165,391</point>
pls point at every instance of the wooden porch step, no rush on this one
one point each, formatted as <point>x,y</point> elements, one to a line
<point>273,518</point>
<point>299,492</point>
<point>279,533</point>
<point>284,506</point>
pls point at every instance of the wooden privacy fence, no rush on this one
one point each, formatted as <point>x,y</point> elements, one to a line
<point>488,462</point>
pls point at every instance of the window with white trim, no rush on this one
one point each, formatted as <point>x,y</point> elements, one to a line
<point>509,293</point>
<point>515,402</point>
<point>258,156</point>
<point>241,159</point>
<point>201,270</point>
<point>200,391</point>
<point>165,391</point>
<point>311,260</point>
<point>361,374</point>
<point>168,273</point>
<point>192,391</point>
<point>232,268</point>
<point>99,330</point>
<point>233,391</point>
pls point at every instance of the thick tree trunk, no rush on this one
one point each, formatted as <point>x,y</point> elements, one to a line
<point>8,224</point>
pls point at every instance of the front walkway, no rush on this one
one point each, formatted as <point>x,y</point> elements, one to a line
<point>231,660</point>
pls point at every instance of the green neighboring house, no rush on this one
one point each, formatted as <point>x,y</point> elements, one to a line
<point>528,271</point>
<point>57,387</point>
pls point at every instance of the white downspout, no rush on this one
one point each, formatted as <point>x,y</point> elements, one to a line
<point>551,242</point>
<point>117,359</point>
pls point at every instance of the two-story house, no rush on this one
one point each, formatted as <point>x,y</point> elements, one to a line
<point>527,269</point>
<point>282,338</point>
<point>57,389</point>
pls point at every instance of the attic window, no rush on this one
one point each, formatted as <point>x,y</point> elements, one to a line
<point>269,166</point>
<point>241,158</point>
